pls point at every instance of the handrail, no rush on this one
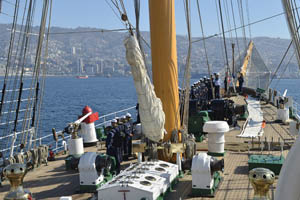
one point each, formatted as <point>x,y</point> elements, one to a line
<point>58,145</point>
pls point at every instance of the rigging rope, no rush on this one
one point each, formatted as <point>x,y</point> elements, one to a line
<point>225,5</point>
<point>44,70</point>
<point>90,31</point>
<point>219,26</point>
<point>138,33</point>
<point>248,16</point>
<point>241,13</point>
<point>36,71</point>
<point>187,73</point>
<point>296,10</point>
<point>240,27</point>
<point>9,57</point>
<point>225,49</point>
<point>281,62</point>
<point>236,35</point>
<point>286,66</point>
<point>205,50</point>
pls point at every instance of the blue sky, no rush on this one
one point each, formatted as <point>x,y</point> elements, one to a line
<point>97,13</point>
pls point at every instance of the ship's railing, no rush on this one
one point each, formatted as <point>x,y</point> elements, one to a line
<point>295,106</point>
<point>58,145</point>
<point>103,121</point>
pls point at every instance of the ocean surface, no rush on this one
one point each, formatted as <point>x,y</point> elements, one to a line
<point>65,97</point>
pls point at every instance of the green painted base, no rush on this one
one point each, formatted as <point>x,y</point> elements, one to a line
<point>273,163</point>
<point>90,188</point>
<point>216,154</point>
<point>208,192</point>
<point>244,116</point>
<point>68,163</point>
<point>174,182</point>
<point>181,174</point>
<point>199,138</point>
<point>93,188</point>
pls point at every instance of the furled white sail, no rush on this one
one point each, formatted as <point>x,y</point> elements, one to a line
<point>289,177</point>
<point>150,107</point>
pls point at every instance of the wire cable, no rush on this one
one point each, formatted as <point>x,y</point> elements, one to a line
<point>240,27</point>
<point>205,50</point>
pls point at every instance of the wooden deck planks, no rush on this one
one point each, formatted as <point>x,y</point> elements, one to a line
<point>52,181</point>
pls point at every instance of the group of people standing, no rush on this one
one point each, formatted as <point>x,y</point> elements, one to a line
<point>119,139</point>
<point>206,87</point>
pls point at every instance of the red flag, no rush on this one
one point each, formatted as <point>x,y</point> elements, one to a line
<point>93,117</point>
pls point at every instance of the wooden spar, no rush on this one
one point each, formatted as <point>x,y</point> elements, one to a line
<point>164,60</point>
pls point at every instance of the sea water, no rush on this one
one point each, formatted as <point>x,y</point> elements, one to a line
<point>65,97</point>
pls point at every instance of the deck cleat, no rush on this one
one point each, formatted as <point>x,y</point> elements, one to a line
<point>15,174</point>
<point>261,179</point>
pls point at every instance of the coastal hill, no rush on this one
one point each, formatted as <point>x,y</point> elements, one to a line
<point>103,53</point>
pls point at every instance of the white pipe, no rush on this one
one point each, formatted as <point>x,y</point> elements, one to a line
<point>178,161</point>
<point>78,121</point>
<point>284,93</point>
<point>140,157</point>
<point>289,178</point>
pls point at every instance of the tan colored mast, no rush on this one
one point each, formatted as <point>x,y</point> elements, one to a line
<point>164,60</point>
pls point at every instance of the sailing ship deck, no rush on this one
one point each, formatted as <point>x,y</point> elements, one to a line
<point>52,181</point>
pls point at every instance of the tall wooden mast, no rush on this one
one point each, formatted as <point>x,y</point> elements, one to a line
<point>164,60</point>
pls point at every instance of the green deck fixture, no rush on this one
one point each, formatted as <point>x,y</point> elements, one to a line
<point>100,132</point>
<point>208,192</point>
<point>196,123</point>
<point>271,162</point>
<point>108,174</point>
<point>214,154</point>
<point>245,115</point>
<point>69,162</point>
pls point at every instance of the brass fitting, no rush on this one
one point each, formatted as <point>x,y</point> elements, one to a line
<point>15,174</point>
<point>261,179</point>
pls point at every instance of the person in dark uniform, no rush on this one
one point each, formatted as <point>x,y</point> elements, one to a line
<point>128,136</point>
<point>209,89</point>
<point>114,143</point>
<point>241,82</point>
<point>225,84</point>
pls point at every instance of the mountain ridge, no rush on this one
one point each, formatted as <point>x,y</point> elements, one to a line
<point>103,53</point>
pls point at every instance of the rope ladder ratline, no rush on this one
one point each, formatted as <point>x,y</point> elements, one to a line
<point>22,58</point>
<point>10,49</point>
<point>36,72</point>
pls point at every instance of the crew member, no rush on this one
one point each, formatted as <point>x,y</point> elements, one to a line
<point>128,137</point>
<point>209,89</point>
<point>241,81</point>
<point>217,86</point>
<point>114,144</point>
<point>225,84</point>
